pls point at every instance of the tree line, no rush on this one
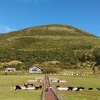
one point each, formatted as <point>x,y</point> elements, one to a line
<point>67,57</point>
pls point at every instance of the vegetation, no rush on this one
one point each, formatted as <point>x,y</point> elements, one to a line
<point>49,46</point>
<point>77,81</point>
<point>8,82</point>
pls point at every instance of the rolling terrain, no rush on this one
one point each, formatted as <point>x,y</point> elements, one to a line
<point>52,47</point>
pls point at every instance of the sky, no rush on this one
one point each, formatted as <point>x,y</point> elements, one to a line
<point>19,14</point>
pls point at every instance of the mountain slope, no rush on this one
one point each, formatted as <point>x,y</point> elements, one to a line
<point>54,29</point>
<point>39,44</point>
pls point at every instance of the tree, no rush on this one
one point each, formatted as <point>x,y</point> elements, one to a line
<point>96,54</point>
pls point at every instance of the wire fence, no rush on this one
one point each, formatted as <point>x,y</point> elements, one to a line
<point>59,96</point>
<point>42,93</point>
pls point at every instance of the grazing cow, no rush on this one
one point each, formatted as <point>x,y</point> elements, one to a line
<point>74,89</point>
<point>40,87</point>
<point>70,88</point>
<point>98,88</point>
<point>17,87</point>
<point>90,88</point>
<point>57,86</point>
<point>80,88</point>
<point>58,81</point>
<point>36,88</point>
<point>26,86</point>
<point>29,84</point>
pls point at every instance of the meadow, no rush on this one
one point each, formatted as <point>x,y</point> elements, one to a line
<point>7,92</point>
<point>76,81</point>
<point>7,83</point>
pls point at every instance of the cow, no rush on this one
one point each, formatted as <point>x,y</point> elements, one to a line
<point>36,88</point>
<point>58,81</point>
<point>57,86</point>
<point>29,84</point>
<point>79,88</point>
<point>26,86</point>
<point>98,88</point>
<point>70,88</point>
<point>90,88</point>
<point>17,87</point>
<point>40,86</point>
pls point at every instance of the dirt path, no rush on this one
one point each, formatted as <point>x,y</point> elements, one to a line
<point>49,95</point>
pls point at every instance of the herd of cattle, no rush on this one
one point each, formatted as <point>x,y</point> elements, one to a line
<point>28,87</point>
<point>69,88</point>
<point>74,88</point>
<point>31,86</point>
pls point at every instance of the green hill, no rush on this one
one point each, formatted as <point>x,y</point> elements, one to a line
<point>45,44</point>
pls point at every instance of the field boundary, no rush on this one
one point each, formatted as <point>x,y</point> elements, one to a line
<point>59,96</point>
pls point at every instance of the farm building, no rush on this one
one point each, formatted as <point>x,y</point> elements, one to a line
<point>35,69</point>
<point>10,69</point>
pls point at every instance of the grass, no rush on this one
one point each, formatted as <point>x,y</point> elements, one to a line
<point>7,92</point>
<point>38,44</point>
<point>7,83</point>
<point>75,81</point>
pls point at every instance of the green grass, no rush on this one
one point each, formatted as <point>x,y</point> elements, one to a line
<point>7,92</point>
<point>46,43</point>
<point>75,81</point>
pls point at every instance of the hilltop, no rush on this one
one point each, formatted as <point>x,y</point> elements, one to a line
<point>53,29</point>
<point>63,45</point>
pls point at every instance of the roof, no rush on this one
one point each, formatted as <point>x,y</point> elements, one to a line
<point>9,68</point>
<point>36,66</point>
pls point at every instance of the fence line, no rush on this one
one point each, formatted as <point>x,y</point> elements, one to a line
<point>59,96</point>
<point>42,93</point>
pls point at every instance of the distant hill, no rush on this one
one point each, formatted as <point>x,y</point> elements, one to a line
<point>53,29</point>
<point>41,44</point>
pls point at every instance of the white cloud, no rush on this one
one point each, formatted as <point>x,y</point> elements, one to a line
<point>8,29</point>
<point>5,29</point>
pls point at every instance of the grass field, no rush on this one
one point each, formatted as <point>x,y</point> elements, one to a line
<point>7,83</point>
<point>7,92</point>
<point>76,81</point>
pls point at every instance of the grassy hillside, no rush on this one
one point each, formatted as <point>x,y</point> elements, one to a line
<point>43,44</point>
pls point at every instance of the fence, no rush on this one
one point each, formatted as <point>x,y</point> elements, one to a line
<point>42,93</point>
<point>59,96</point>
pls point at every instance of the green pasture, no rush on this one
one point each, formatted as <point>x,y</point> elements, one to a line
<point>76,81</point>
<point>7,83</point>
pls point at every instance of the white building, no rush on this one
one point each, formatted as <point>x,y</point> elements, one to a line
<point>35,69</point>
<point>10,69</point>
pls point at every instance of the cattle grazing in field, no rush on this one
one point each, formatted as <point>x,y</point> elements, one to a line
<point>70,88</point>
<point>80,88</point>
<point>38,87</point>
<point>90,88</point>
<point>98,88</point>
<point>58,81</point>
<point>17,87</point>
<point>57,86</point>
<point>28,84</point>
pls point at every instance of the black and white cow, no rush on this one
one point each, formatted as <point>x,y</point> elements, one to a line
<point>17,87</point>
<point>98,88</point>
<point>80,88</point>
<point>70,88</point>
<point>90,88</point>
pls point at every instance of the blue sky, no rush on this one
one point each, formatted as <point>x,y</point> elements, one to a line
<point>19,14</point>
